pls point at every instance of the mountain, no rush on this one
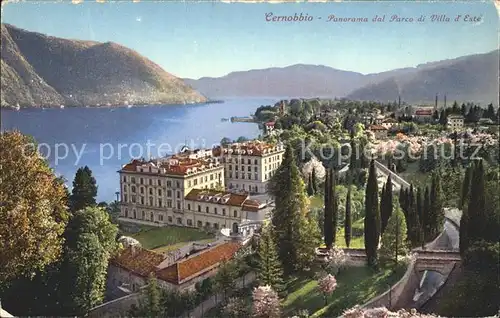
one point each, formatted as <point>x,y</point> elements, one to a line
<point>468,78</point>
<point>299,80</point>
<point>44,71</point>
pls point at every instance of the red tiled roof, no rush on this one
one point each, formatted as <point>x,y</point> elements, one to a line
<point>180,167</point>
<point>251,148</point>
<point>197,265</point>
<point>377,127</point>
<point>271,123</point>
<point>423,112</point>
<point>138,260</point>
<point>226,198</point>
<point>251,205</point>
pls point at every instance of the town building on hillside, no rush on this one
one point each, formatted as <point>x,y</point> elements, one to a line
<point>186,189</point>
<point>388,123</point>
<point>380,132</point>
<point>269,127</point>
<point>129,271</point>
<point>423,114</point>
<point>455,122</point>
<point>249,166</point>
<point>378,120</point>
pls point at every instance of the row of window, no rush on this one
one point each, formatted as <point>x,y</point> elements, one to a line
<point>249,161</point>
<point>151,191</point>
<point>178,221</point>
<point>204,179</point>
<point>249,187</point>
<point>249,169</point>
<point>237,176</point>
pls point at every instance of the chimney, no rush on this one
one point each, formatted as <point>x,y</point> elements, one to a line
<point>399,101</point>
<point>445,101</point>
<point>436,103</point>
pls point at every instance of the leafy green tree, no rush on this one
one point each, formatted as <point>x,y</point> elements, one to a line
<point>348,219</point>
<point>270,271</point>
<point>394,237</point>
<point>153,305</point>
<point>372,217</point>
<point>84,190</point>
<point>90,243</point>
<point>33,209</point>
<point>225,141</point>
<point>242,139</point>
<point>225,277</point>
<point>296,243</point>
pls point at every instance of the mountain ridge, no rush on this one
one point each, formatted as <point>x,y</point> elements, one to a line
<point>45,71</point>
<point>346,84</point>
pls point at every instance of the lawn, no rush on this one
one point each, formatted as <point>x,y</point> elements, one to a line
<point>168,248</point>
<point>168,236</point>
<point>355,285</point>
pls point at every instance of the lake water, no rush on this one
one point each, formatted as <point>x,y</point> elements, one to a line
<point>106,138</point>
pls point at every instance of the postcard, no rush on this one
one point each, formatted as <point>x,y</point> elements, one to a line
<point>249,158</point>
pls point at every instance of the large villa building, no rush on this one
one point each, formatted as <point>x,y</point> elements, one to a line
<point>211,188</point>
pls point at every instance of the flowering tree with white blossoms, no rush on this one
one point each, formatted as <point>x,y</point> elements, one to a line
<point>327,285</point>
<point>335,260</point>
<point>317,166</point>
<point>235,308</point>
<point>382,312</point>
<point>266,303</point>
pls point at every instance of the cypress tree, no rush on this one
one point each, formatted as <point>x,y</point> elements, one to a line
<point>310,189</point>
<point>463,232</point>
<point>314,184</point>
<point>426,213</point>
<point>269,266</point>
<point>334,207</point>
<point>401,197</point>
<point>466,186</point>
<point>382,209</point>
<point>328,223</point>
<point>348,218</point>
<point>420,216</point>
<point>476,204</point>
<point>372,217</point>
<point>296,242</point>
<point>387,212</point>
<point>436,216</point>
<point>84,190</point>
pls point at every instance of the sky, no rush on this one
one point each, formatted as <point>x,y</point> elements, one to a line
<point>197,39</point>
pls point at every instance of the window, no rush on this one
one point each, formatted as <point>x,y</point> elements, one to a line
<point>124,188</point>
<point>242,176</point>
<point>142,200</point>
<point>211,176</point>
<point>125,198</point>
<point>170,219</point>
<point>169,203</point>
<point>150,191</point>
<point>142,190</point>
<point>169,193</point>
<point>160,217</point>
<point>178,205</point>
<point>207,224</point>
<point>206,178</point>
<point>189,206</point>
<point>201,179</point>
<point>195,181</point>
<point>150,200</point>
<point>169,183</point>
<point>143,215</point>
<point>236,160</point>
<point>190,222</point>
<point>265,160</point>
<point>255,162</point>
<point>230,167</point>
<point>178,194</point>
<point>132,180</point>
<point>160,203</point>
<point>151,182</point>
<point>177,184</point>
<point>179,221</point>
<point>216,226</point>
<point>135,214</point>
<point>236,168</point>
<point>124,178</point>
<point>255,169</point>
<point>235,213</point>
<point>159,191</point>
<point>126,213</point>
<point>215,210</point>
<point>133,199</point>
<point>199,208</point>
<point>249,175</point>
<point>159,183</point>
<point>189,183</point>
<point>151,216</point>
<point>256,176</point>
<point>200,224</point>
<point>249,169</point>
<point>223,211</point>
<point>230,175</point>
<point>141,181</point>
<point>206,209</point>
<point>133,189</point>
<point>236,175</point>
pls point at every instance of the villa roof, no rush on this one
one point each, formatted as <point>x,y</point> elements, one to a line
<point>138,260</point>
<point>174,165</point>
<point>195,266</point>
<point>250,148</point>
<point>271,123</point>
<point>424,112</point>
<point>377,127</point>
